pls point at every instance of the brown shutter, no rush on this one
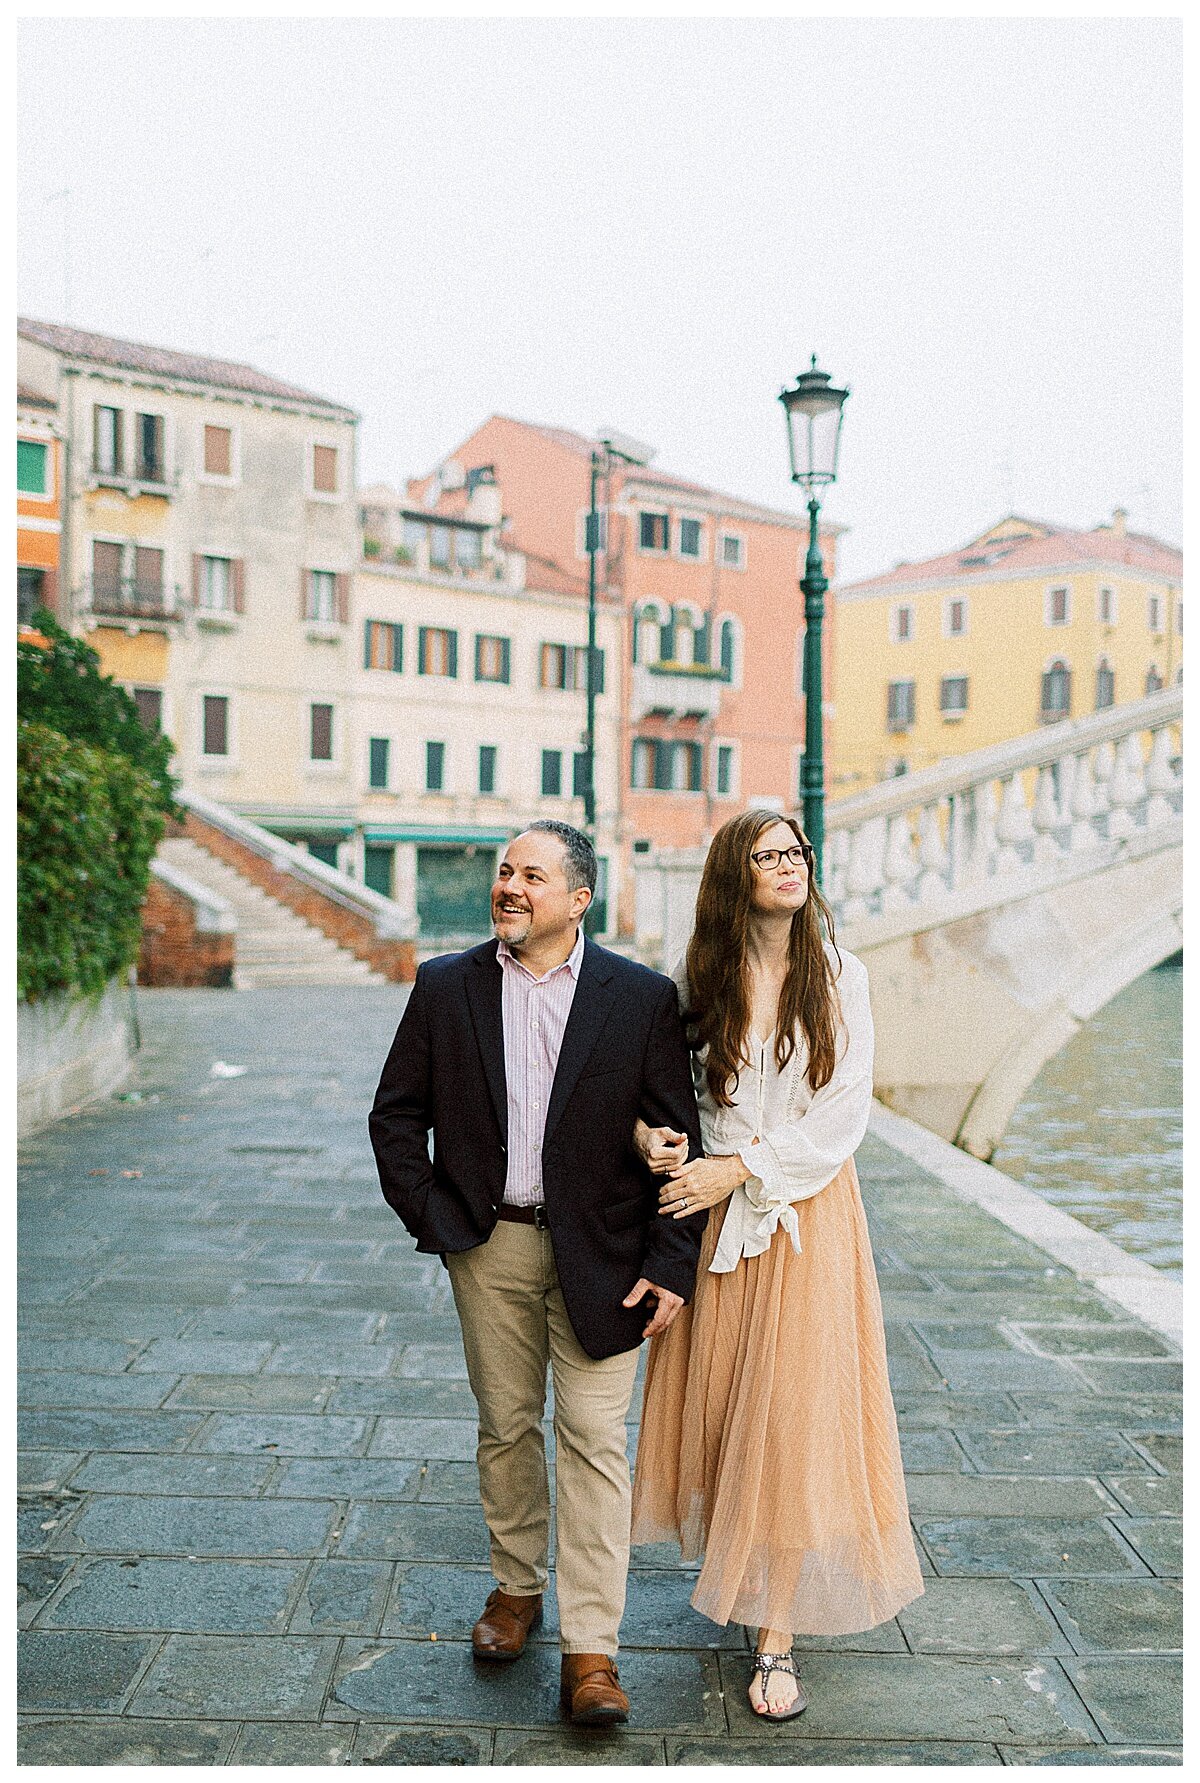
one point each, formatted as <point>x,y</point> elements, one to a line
<point>238,574</point>
<point>197,566</point>
<point>50,590</point>
<point>304,594</point>
<point>341,597</point>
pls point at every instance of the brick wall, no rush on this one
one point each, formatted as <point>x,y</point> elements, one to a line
<point>174,955</point>
<point>352,929</point>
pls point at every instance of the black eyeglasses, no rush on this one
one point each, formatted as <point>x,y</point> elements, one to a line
<point>769,858</point>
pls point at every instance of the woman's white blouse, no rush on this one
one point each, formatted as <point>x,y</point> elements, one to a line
<point>803,1139</point>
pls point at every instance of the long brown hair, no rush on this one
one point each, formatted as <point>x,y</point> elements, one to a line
<point>718,972</point>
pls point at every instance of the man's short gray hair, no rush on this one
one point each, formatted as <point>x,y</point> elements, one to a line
<point>580,863</point>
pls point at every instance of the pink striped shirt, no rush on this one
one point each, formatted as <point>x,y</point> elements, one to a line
<point>534,1012</point>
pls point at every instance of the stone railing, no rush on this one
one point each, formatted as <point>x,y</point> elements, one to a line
<point>189,933</point>
<point>1006,813</point>
<point>374,928</point>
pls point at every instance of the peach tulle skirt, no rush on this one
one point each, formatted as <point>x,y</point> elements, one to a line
<point>768,1441</point>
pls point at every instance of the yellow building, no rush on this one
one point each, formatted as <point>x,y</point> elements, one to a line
<point>1025,625</point>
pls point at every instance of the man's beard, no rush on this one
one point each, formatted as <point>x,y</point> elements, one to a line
<point>520,936</point>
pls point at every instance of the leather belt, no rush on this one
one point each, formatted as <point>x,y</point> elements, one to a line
<point>528,1216</point>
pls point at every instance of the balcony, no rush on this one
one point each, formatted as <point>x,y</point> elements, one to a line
<point>151,477</point>
<point>126,597</point>
<point>675,690</point>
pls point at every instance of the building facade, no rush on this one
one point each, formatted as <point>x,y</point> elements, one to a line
<point>39,512</point>
<point>1025,625</point>
<point>704,587</point>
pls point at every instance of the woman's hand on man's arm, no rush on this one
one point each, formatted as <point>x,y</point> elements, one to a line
<point>705,1182</point>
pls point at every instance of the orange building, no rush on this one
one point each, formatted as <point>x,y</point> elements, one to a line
<point>39,510</point>
<point>712,713</point>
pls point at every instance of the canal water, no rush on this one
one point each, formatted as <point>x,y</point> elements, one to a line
<point>1100,1131</point>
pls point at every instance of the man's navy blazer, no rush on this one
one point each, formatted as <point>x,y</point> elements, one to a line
<point>623,1054</point>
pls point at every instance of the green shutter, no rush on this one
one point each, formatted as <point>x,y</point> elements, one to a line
<point>666,645</point>
<point>31,467</point>
<point>366,643</point>
<point>453,655</point>
<point>398,649</point>
<point>506,653</point>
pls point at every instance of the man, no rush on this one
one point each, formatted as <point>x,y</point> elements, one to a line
<point>531,1058</point>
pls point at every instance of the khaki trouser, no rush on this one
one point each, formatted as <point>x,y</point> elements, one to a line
<point>514,1322</point>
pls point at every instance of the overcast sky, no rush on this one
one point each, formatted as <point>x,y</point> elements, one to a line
<point>651,225</point>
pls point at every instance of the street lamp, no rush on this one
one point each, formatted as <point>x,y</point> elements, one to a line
<point>609,447</point>
<point>814,419</point>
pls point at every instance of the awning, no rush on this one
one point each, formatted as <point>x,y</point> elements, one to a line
<point>449,834</point>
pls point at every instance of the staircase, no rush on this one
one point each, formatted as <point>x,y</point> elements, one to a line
<point>274,945</point>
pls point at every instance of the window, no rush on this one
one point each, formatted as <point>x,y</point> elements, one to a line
<point>416,535</point>
<point>322,596</point>
<point>325,470</point>
<point>148,701</point>
<point>1106,687</point>
<point>1056,692</point>
<point>31,584</point>
<point>487,767</point>
<point>468,549</point>
<point>1153,679</point>
<point>728,648</point>
<point>724,770</point>
<point>690,538</point>
<point>686,766</point>
<point>1058,607</point>
<point>660,766</point>
<point>151,453</point>
<point>439,547</point>
<point>216,725</point>
<point>551,773</point>
<point>1106,606</point>
<point>952,700</point>
<point>666,638</point>
<point>564,666</point>
<point>383,646</point>
<point>435,767</point>
<point>901,705</point>
<point>380,748</point>
<point>33,464</point>
<point>1154,612</point>
<point>320,733</point>
<point>218,451</point>
<point>579,773</point>
<point>106,441</point>
<point>377,868</point>
<point>493,657</point>
<point>902,625</point>
<point>653,532</point>
<point>733,551</point>
<point>954,617</point>
<point>215,584</point>
<point>437,652</point>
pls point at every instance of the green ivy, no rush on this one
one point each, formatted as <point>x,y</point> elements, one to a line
<point>88,824</point>
<point>61,686</point>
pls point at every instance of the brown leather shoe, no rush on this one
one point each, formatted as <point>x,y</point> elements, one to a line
<point>591,1690</point>
<point>500,1632</point>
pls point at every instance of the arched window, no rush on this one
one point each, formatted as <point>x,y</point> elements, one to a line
<point>647,623</point>
<point>1056,692</point>
<point>1153,679</point>
<point>1105,684</point>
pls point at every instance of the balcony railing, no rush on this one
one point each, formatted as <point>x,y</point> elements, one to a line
<point>674,689</point>
<point>127,597</point>
<point>150,475</point>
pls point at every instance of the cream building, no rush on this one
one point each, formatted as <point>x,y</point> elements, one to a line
<point>468,711</point>
<point>1026,625</point>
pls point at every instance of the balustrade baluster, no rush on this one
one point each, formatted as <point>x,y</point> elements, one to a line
<point>1014,827</point>
<point>837,859</point>
<point>865,873</point>
<point>1127,787</point>
<point>1083,805</point>
<point>899,864</point>
<point>932,855</point>
<point>1160,780</point>
<point>1047,817</point>
<point>1103,761</point>
<point>983,843</point>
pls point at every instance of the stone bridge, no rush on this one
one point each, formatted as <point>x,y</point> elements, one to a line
<point>998,899</point>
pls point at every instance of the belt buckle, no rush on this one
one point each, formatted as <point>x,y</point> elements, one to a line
<point>539,1216</point>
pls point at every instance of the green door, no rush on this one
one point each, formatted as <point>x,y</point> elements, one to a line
<point>454,890</point>
<point>377,868</point>
<point>324,851</point>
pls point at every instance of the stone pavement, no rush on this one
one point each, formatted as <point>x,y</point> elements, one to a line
<point>248,1499</point>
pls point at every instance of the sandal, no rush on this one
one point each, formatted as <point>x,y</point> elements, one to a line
<point>764,1665</point>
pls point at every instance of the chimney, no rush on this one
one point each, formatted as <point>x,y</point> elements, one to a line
<point>1120,516</point>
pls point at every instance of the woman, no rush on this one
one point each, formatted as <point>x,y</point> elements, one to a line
<point>768,1440</point>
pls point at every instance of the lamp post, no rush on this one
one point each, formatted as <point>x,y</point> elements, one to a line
<point>814,419</point>
<point>609,447</point>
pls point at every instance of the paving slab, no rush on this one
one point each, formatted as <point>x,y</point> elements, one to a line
<point>1047,1452</point>
<point>429,1439</point>
<point>236,1678</point>
<point>377,1744</point>
<point>351,1478</point>
<point>242,1527</point>
<point>342,1597</point>
<point>1001,1616</point>
<point>444,1602</point>
<point>987,1494</point>
<point>137,1432</point>
<point>1159,1541</point>
<point>295,1743</point>
<point>1095,1340</point>
<point>59,1388</point>
<point>1025,1547</point>
<point>254,1392</point>
<point>198,1356</point>
<point>1145,1495</point>
<point>38,1577</point>
<point>1156,1412</point>
<point>578,1746</point>
<point>884,1696</point>
<point>1092,1755</point>
<point>1118,1616</point>
<point>284,1434</point>
<point>406,1398</point>
<point>92,1355</point>
<point>830,1752</point>
<point>1132,1699</point>
<point>189,1596</point>
<point>415,1532</point>
<point>79,1671</point>
<point>190,1476</point>
<point>99,1740</point>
